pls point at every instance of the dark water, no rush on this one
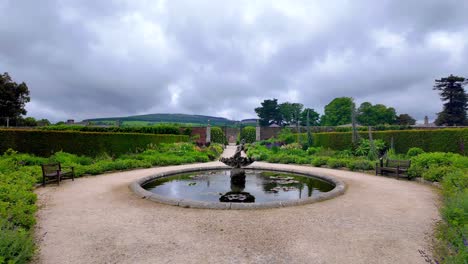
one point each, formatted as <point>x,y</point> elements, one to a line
<point>264,186</point>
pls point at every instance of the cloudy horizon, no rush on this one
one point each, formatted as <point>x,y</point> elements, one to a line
<point>88,59</point>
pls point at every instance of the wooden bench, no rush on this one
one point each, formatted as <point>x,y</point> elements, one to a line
<point>54,173</point>
<point>396,167</point>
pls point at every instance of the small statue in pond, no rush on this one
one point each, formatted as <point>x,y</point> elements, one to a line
<point>237,161</point>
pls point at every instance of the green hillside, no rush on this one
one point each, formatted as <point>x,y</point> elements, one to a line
<point>168,118</point>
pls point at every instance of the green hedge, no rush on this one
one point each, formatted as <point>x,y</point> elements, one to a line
<point>442,140</point>
<point>156,129</point>
<point>249,134</point>
<point>217,136</point>
<point>45,143</point>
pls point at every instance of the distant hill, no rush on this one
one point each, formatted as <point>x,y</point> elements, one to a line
<point>170,118</point>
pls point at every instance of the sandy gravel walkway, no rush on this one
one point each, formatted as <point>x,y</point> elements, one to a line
<point>99,220</point>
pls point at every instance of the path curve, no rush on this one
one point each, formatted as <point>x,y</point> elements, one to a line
<point>98,219</point>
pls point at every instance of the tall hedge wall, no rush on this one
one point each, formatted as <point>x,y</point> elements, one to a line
<point>156,129</point>
<point>446,140</point>
<point>45,143</point>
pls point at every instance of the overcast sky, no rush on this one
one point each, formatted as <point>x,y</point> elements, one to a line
<point>84,59</point>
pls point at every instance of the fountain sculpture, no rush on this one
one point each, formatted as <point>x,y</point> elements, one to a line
<point>237,162</point>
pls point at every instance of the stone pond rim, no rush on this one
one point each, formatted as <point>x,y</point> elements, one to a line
<point>137,188</point>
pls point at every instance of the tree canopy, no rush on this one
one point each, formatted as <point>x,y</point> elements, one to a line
<point>290,112</point>
<point>13,98</point>
<point>372,115</point>
<point>452,92</point>
<point>405,120</point>
<point>269,113</point>
<point>338,112</point>
<point>314,117</point>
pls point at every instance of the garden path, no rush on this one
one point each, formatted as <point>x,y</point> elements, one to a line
<point>97,219</point>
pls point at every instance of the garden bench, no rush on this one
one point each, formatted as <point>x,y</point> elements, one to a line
<point>398,167</point>
<point>54,172</point>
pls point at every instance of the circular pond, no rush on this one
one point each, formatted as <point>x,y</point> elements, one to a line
<point>258,186</point>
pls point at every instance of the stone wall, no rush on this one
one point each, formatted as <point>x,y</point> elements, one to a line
<point>201,131</point>
<point>231,133</point>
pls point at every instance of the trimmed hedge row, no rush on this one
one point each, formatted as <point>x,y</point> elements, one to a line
<point>156,129</point>
<point>45,143</point>
<point>443,140</point>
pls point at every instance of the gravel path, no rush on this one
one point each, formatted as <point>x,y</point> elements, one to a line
<point>98,219</point>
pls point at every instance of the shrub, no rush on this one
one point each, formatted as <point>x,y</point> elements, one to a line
<point>361,164</point>
<point>347,153</point>
<point>452,232</point>
<point>249,134</point>
<point>16,244</point>
<point>337,163</point>
<point>421,163</point>
<point>313,150</point>
<point>413,152</point>
<point>319,161</point>
<point>292,146</point>
<point>287,136</point>
<point>258,152</point>
<point>45,143</point>
<point>364,147</point>
<point>456,181</point>
<point>217,136</point>
<point>17,208</point>
<point>302,160</point>
<point>436,173</point>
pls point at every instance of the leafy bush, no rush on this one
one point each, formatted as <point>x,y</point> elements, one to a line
<point>453,231</point>
<point>287,136</point>
<point>217,136</point>
<point>319,161</point>
<point>347,153</point>
<point>361,164</point>
<point>249,134</point>
<point>364,147</point>
<point>16,244</point>
<point>413,152</point>
<point>45,143</point>
<point>423,162</point>
<point>313,150</point>
<point>436,173</point>
<point>17,208</point>
<point>258,152</point>
<point>337,163</point>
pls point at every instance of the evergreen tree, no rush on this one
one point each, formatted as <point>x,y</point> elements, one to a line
<point>13,98</point>
<point>405,120</point>
<point>269,113</point>
<point>314,117</point>
<point>456,101</point>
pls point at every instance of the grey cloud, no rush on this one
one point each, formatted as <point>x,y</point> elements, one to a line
<point>85,59</point>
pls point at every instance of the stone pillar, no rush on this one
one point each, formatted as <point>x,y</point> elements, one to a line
<point>208,133</point>
<point>426,121</point>
<point>257,132</point>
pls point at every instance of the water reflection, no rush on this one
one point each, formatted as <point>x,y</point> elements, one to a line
<point>258,186</point>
